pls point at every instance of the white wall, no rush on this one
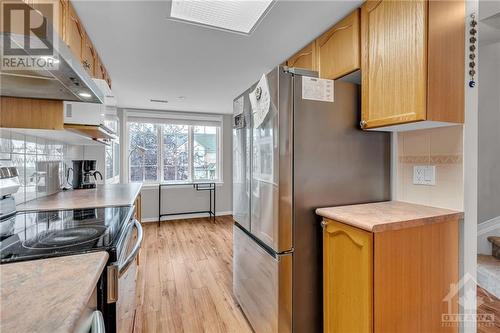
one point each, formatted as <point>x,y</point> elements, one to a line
<point>178,199</point>
<point>489,132</point>
<point>489,145</point>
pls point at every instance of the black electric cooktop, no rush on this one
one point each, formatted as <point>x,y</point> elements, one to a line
<point>36,235</point>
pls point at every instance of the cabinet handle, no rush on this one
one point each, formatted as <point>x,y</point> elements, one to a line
<point>362,123</point>
<point>324,224</point>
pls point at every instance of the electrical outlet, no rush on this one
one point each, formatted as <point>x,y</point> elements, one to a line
<point>424,175</point>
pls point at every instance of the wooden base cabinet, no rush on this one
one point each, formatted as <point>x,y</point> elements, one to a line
<point>391,281</point>
<point>138,208</point>
<point>348,278</point>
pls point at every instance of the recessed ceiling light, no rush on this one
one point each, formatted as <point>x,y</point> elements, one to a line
<point>232,15</point>
<point>84,94</point>
<point>158,100</point>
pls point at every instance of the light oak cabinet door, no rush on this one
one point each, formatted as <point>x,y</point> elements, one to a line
<point>138,207</point>
<point>347,278</point>
<point>31,113</point>
<point>99,71</point>
<point>338,48</point>
<point>88,56</point>
<point>412,62</point>
<point>394,68</point>
<point>75,35</point>
<point>305,58</point>
<point>63,18</point>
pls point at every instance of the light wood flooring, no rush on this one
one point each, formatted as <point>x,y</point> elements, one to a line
<point>185,278</point>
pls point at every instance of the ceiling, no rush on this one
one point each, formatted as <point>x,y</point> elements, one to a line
<point>151,57</point>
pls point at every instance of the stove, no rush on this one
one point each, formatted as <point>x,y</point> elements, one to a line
<point>37,235</point>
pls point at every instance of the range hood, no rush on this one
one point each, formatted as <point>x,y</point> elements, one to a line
<point>68,82</point>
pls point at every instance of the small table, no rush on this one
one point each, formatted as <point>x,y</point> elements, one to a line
<point>198,187</point>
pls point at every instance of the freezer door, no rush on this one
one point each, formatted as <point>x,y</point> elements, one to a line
<point>271,180</point>
<point>262,284</point>
<point>241,161</point>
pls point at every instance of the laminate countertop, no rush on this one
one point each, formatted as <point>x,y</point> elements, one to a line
<point>109,195</point>
<point>48,295</point>
<point>388,215</point>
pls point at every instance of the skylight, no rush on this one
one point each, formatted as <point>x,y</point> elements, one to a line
<point>234,15</point>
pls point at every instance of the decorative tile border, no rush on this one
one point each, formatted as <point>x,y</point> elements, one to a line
<point>435,159</point>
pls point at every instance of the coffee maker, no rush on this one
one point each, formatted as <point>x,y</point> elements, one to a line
<point>84,174</point>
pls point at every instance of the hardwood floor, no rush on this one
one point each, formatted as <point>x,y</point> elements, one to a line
<point>185,278</point>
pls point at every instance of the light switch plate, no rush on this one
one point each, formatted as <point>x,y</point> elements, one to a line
<point>424,175</point>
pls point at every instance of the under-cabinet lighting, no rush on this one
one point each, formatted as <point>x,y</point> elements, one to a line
<point>84,94</point>
<point>232,15</point>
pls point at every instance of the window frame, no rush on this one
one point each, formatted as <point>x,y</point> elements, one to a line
<point>115,152</point>
<point>160,123</point>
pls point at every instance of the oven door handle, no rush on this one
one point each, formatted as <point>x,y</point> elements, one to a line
<point>122,267</point>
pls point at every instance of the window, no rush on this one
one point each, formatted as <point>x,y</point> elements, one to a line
<point>205,152</point>
<point>112,153</point>
<point>143,165</point>
<point>170,152</point>
<point>175,153</point>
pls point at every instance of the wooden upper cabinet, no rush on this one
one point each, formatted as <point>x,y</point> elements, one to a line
<point>88,56</point>
<point>31,113</point>
<point>394,57</point>
<point>58,14</point>
<point>75,36</point>
<point>81,45</point>
<point>412,63</point>
<point>338,48</point>
<point>99,70</point>
<point>63,18</point>
<point>347,278</point>
<point>305,58</point>
<point>107,78</point>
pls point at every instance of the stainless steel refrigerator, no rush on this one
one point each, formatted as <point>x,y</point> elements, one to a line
<point>292,153</point>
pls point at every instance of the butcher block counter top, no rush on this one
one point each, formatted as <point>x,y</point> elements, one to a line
<point>48,295</point>
<point>102,196</point>
<point>388,215</point>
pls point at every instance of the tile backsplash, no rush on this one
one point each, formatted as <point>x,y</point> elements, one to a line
<point>32,156</point>
<point>441,147</point>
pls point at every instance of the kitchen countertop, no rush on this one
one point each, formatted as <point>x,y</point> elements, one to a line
<point>48,295</point>
<point>388,215</point>
<point>102,196</point>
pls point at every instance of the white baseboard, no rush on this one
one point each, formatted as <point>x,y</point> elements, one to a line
<point>485,229</point>
<point>182,216</point>
<point>489,225</point>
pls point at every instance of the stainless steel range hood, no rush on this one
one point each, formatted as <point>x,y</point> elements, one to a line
<point>67,82</point>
